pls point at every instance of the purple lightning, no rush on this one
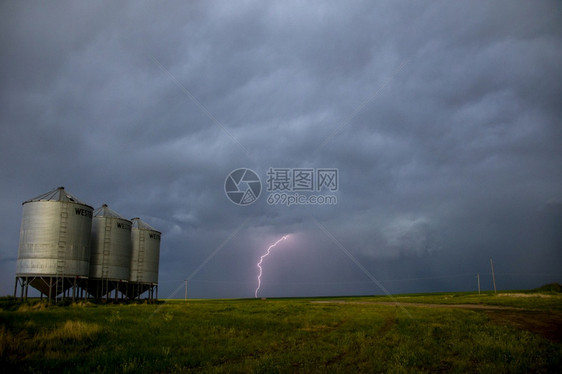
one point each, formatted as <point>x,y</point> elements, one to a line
<point>261,260</point>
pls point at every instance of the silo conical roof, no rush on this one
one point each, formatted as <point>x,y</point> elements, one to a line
<point>141,225</point>
<point>58,194</point>
<point>105,211</point>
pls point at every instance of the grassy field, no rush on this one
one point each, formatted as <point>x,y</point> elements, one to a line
<point>343,335</point>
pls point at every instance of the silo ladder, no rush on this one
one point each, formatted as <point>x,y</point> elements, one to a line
<point>61,253</point>
<point>105,258</point>
<point>140,263</point>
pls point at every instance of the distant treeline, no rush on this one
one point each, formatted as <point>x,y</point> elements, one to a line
<point>551,287</point>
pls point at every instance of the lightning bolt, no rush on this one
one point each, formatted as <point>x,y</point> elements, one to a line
<point>261,260</point>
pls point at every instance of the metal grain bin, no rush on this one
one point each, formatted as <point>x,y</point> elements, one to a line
<point>54,238</point>
<point>111,245</point>
<point>145,253</point>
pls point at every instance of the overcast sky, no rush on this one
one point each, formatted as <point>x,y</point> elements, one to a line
<point>443,119</point>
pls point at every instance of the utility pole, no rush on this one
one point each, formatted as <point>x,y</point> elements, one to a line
<point>493,276</point>
<point>186,290</point>
<point>478,277</point>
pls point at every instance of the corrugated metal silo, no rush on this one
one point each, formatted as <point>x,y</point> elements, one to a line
<point>110,261</point>
<point>145,257</point>
<point>54,243</point>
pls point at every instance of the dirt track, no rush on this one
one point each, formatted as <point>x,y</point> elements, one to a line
<point>546,323</point>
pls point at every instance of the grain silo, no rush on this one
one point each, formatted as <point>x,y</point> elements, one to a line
<point>54,248</point>
<point>110,260</point>
<point>145,260</point>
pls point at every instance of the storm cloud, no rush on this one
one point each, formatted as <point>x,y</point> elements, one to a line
<point>443,120</point>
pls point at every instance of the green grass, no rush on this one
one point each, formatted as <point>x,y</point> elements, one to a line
<point>270,336</point>
<point>532,300</point>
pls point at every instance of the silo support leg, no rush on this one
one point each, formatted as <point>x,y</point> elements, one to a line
<point>74,290</point>
<point>50,287</point>
<point>16,287</point>
<point>26,286</point>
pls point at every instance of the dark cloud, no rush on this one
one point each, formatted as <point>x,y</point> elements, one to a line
<point>443,120</point>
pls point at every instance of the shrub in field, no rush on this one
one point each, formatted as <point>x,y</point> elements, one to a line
<point>71,331</point>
